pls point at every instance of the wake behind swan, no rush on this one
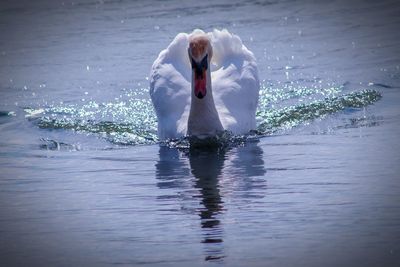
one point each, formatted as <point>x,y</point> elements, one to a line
<point>203,84</point>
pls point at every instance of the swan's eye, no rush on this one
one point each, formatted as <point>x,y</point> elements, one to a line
<point>193,63</point>
<point>204,62</point>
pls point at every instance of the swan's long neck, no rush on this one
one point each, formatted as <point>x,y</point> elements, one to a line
<point>203,116</point>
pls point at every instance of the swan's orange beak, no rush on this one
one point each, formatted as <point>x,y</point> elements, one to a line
<point>200,77</point>
<point>200,84</point>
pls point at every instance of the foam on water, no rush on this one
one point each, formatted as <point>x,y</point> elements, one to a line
<point>132,121</point>
<point>291,116</point>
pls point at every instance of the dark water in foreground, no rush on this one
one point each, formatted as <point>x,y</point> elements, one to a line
<point>83,181</point>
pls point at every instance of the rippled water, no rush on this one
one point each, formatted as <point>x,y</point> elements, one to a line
<point>85,182</point>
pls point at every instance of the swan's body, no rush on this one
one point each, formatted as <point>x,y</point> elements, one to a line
<point>202,84</point>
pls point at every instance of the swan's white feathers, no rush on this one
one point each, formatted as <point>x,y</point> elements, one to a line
<point>234,81</point>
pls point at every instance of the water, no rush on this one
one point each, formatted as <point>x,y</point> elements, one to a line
<point>84,181</point>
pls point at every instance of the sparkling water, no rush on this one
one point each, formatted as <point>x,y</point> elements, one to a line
<point>85,182</point>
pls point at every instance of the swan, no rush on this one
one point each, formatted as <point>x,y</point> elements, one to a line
<point>203,84</point>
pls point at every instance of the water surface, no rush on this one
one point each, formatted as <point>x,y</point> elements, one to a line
<point>84,182</point>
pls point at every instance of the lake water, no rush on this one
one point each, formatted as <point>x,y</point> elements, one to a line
<point>83,181</point>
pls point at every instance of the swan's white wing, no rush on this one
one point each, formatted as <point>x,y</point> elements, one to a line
<point>170,88</point>
<point>235,82</point>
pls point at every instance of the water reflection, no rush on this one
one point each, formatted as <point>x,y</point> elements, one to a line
<point>206,166</point>
<point>217,174</point>
<point>170,168</point>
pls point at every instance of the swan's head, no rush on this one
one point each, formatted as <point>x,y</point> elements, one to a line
<point>200,53</point>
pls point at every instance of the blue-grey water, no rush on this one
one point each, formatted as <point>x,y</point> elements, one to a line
<point>84,181</point>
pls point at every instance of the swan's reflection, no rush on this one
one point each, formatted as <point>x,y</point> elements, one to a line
<point>214,171</point>
<point>206,166</point>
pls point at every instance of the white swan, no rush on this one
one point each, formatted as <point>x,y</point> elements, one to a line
<point>204,83</point>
